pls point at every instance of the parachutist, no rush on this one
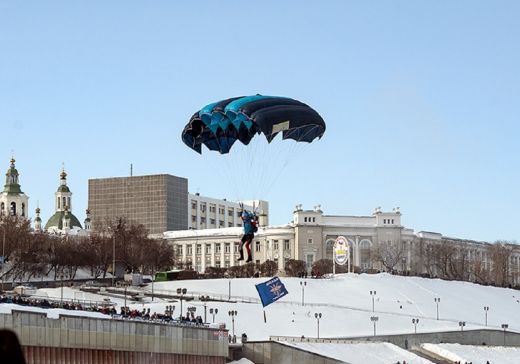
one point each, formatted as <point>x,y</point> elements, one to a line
<point>250,222</point>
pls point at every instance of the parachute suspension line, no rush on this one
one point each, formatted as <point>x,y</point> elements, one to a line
<point>291,154</point>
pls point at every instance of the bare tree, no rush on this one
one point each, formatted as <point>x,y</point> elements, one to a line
<point>295,268</point>
<point>500,253</point>
<point>388,254</point>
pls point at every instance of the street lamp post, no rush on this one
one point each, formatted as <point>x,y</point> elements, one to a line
<point>213,312</point>
<point>233,314</point>
<point>437,300</point>
<point>374,319</point>
<point>181,292</point>
<point>462,324</point>
<point>373,294</point>
<point>486,309</point>
<point>229,289</point>
<point>61,289</point>
<point>303,284</point>
<point>318,315</point>
<point>504,327</point>
<point>415,321</point>
<point>205,310</point>
<point>113,257</point>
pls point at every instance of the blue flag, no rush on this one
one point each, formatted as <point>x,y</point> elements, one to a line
<point>271,291</point>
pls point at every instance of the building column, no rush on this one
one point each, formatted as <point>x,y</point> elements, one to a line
<point>184,252</point>
<point>356,252</point>
<point>213,254</point>
<point>222,254</point>
<point>232,256</point>
<point>202,257</point>
<point>194,256</point>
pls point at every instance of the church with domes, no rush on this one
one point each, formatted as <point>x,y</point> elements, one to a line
<point>64,221</point>
<point>14,202</point>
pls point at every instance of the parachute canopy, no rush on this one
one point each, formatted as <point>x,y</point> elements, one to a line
<point>220,124</point>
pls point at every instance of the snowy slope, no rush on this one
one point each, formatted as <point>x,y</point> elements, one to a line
<point>362,353</point>
<point>345,304</point>
<point>476,354</point>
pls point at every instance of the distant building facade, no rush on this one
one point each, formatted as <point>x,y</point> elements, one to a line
<point>378,242</point>
<point>212,213</point>
<point>159,202</point>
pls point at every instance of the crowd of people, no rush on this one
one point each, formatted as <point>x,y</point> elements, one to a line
<point>66,305</point>
<point>124,313</point>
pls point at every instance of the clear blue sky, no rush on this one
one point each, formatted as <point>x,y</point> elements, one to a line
<point>421,100</point>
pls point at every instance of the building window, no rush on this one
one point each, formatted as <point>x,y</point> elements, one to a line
<point>212,208</point>
<point>230,213</point>
<point>221,211</point>
<point>179,250</point>
<point>217,248</point>
<point>286,245</point>
<point>217,264</point>
<point>276,261</point>
<point>230,224</point>
<point>275,245</point>
<point>202,220</point>
<point>238,214</point>
<point>257,261</point>
<point>313,219</point>
<point>199,249</point>
<point>227,248</point>
<point>221,223</point>
<point>193,218</point>
<point>189,249</point>
<point>212,221</point>
<point>202,208</point>
<point>194,205</point>
<point>309,241</point>
<point>305,219</point>
<point>257,246</point>
<point>208,249</point>
<point>236,247</point>
<point>392,221</point>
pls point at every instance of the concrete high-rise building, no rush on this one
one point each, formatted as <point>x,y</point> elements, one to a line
<point>159,202</point>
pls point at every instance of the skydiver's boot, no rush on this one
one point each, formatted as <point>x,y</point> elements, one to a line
<point>241,255</point>
<point>250,259</point>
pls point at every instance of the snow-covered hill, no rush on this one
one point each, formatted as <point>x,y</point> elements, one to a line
<point>345,303</point>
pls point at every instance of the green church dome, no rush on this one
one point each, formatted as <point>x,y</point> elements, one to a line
<point>56,220</point>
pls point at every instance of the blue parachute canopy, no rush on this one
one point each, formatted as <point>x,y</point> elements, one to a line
<point>220,124</point>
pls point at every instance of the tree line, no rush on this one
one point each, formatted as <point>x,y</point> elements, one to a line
<point>29,254</point>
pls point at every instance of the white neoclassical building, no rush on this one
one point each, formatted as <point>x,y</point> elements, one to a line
<point>311,235</point>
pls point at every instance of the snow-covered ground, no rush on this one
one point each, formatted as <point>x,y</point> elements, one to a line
<point>476,354</point>
<point>345,304</point>
<point>362,353</point>
<point>346,307</point>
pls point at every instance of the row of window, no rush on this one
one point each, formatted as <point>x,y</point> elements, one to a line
<point>12,209</point>
<point>213,209</point>
<point>388,221</point>
<point>227,247</point>
<point>309,219</point>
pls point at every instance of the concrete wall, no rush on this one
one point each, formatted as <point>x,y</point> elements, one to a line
<point>406,341</point>
<point>270,352</point>
<point>37,330</point>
